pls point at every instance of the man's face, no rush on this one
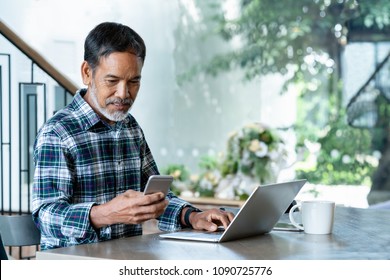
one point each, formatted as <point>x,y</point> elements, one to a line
<point>114,84</point>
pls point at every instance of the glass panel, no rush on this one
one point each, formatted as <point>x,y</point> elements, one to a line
<point>30,96</point>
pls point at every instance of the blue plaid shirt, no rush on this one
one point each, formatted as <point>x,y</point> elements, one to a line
<point>82,161</point>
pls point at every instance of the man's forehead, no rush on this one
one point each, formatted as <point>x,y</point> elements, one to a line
<point>115,58</point>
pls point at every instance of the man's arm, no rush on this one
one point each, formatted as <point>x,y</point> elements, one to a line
<point>53,210</point>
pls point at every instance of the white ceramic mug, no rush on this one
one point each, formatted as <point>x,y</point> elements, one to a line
<point>317,216</point>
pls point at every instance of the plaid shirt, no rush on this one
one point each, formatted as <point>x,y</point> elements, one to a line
<point>82,161</point>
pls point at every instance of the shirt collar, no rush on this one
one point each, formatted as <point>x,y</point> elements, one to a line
<point>87,116</point>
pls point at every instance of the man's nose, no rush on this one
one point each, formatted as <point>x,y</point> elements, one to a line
<point>122,91</point>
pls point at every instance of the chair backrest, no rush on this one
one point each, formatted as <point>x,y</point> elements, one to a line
<point>3,253</point>
<point>19,230</point>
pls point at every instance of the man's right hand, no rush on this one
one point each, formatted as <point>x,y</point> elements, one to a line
<point>131,207</point>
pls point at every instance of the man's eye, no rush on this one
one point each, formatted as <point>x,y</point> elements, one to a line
<point>134,82</point>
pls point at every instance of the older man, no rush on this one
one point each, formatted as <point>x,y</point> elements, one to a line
<point>92,159</point>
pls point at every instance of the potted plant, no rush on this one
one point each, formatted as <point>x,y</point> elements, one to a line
<point>255,154</point>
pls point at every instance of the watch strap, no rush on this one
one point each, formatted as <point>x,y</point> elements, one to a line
<point>187,215</point>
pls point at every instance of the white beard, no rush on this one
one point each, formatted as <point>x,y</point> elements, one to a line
<point>115,116</point>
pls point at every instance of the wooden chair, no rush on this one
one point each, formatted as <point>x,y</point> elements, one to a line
<point>19,231</point>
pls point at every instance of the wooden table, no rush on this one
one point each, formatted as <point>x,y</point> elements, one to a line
<point>358,234</point>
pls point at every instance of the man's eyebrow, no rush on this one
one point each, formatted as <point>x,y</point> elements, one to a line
<point>108,76</point>
<point>112,76</point>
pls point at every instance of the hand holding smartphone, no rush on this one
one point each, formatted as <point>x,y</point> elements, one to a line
<point>158,183</point>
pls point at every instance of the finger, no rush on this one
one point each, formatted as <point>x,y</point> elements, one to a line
<point>207,220</point>
<point>210,220</point>
<point>220,218</point>
<point>153,211</point>
<point>230,216</point>
<point>131,193</point>
<point>152,198</point>
<point>205,224</point>
<point>157,207</point>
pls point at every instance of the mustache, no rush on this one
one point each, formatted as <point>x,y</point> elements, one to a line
<point>119,101</point>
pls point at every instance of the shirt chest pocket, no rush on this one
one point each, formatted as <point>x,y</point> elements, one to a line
<point>129,173</point>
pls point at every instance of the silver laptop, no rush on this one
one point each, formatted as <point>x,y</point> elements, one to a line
<point>258,215</point>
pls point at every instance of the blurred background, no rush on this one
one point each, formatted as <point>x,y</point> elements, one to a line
<point>234,93</point>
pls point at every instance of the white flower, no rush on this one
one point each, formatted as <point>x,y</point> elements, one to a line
<point>312,147</point>
<point>372,160</point>
<point>259,148</point>
<point>274,154</point>
<point>334,153</point>
<point>377,154</point>
<point>346,159</point>
<point>262,151</point>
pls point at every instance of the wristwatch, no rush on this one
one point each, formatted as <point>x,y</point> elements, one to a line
<point>187,215</point>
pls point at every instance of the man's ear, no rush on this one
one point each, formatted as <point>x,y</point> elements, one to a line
<point>86,73</point>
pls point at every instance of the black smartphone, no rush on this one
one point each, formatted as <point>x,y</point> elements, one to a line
<point>158,183</point>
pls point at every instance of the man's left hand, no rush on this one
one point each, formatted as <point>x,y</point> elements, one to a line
<point>210,220</point>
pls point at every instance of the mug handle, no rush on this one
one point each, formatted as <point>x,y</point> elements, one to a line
<point>292,220</point>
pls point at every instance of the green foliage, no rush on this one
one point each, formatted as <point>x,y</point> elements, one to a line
<point>301,40</point>
<point>208,163</point>
<point>344,157</point>
<point>203,184</point>
<point>375,14</point>
<point>278,36</point>
<point>381,131</point>
<point>180,175</point>
<point>209,177</point>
